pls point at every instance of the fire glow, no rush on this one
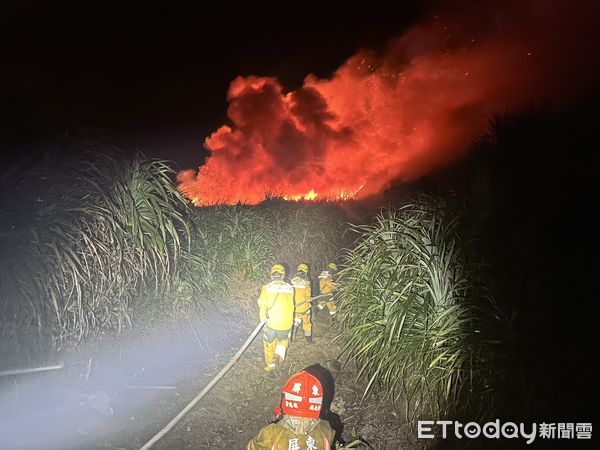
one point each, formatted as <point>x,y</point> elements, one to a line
<point>397,114</point>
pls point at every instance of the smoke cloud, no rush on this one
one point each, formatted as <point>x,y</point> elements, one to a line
<point>397,113</point>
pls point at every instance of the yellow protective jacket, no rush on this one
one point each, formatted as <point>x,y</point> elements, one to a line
<point>301,294</point>
<point>281,436</point>
<point>276,304</point>
<point>326,284</point>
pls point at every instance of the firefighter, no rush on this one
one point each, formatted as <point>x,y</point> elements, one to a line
<point>276,304</point>
<point>301,285</point>
<point>327,287</point>
<point>299,427</point>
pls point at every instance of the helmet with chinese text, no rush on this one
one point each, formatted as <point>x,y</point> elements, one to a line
<point>302,396</point>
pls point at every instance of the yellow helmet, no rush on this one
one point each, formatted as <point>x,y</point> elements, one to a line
<point>302,268</point>
<point>278,269</point>
<point>332,266</point>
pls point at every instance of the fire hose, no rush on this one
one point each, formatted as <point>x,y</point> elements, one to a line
<point>312,299</point>
<point>158,436</point>
<point>6,373</point>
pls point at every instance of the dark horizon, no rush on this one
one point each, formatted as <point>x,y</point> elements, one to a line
<point>155,77</point>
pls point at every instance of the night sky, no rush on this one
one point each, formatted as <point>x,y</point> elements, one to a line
<point>155,74</point>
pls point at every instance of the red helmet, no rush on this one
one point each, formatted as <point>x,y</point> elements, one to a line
<point>302,396</point>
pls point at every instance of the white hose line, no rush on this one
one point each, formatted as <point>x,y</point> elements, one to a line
<point>6,373</point>
<point>158,436</point>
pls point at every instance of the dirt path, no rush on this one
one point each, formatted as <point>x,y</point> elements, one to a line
<point>235,410</point>
<point>120,405</point>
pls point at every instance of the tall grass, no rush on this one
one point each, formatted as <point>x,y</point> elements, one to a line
<point>408,306</point>
<point>230,249</point>
<point>304,232</point>
<point>234,246</point>
<point>102,234</point>
<point>91,243</point>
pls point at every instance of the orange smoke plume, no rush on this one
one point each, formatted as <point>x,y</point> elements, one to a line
<point>399,113</point>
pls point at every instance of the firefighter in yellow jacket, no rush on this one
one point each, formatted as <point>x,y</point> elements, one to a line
<point>301,285</point>
<point>300,427</point>
<point>276,305</point>
<point>327,288</point>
